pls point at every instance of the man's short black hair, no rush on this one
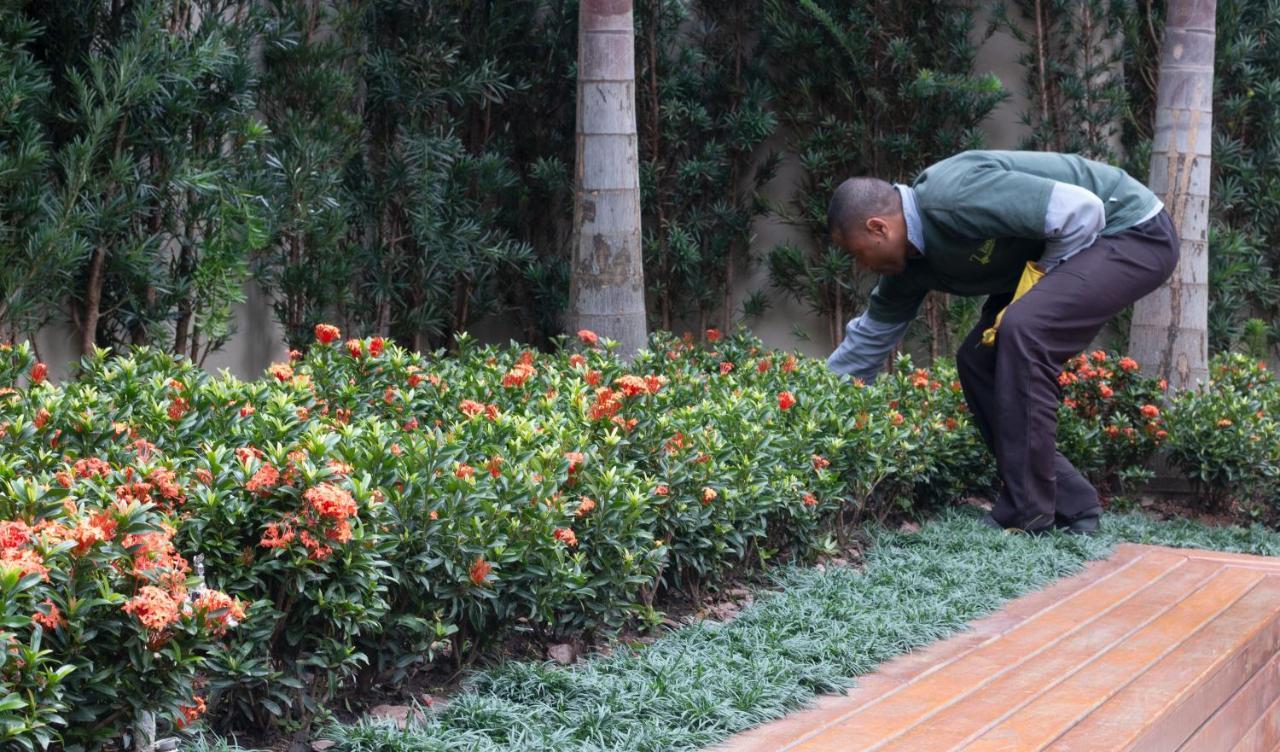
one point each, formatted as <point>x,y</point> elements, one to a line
<point>858,199</point>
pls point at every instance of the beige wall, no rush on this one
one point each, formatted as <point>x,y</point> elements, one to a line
<point>259,340</point>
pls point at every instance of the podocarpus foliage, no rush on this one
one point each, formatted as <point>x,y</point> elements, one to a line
<point>873,89</point>
<point>704,103</point>
<point>133,204</point>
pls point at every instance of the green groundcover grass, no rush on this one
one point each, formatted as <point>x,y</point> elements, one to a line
<point>814,634</point>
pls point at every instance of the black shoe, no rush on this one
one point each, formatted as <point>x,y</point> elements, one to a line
<point>991,522</point>
<point>1083,526</point>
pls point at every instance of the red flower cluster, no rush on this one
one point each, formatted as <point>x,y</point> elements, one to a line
<point>607,404</point>
<point>480,570</point>
<point>326,333</point>
<point>190,713</point>
<point>566,536</point>
<point>588,337</point>
<point>786,400</point>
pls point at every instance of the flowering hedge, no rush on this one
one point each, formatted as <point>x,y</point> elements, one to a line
<point>362,512</point>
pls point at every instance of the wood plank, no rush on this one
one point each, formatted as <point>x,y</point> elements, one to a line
<point>1234,720</point>
<point>1264,736</point>
<point>973,712</point>
<point>1042,721</point>
<point>1180,692</point>
<point>900,710</point>
<point>903,670</point>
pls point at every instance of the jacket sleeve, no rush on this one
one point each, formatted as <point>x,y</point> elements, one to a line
<point>1072,222</point>
<point>866,345</point>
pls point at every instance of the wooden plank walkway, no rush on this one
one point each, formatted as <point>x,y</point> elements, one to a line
<point>1154,649</point>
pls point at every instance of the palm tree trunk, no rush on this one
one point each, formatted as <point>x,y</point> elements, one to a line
<point>1169,332</point>
<point>606,289</point>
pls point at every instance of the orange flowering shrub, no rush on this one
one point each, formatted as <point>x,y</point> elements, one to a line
<point>362,512</point>
<point>106,619</point>
<point>1111,420</point>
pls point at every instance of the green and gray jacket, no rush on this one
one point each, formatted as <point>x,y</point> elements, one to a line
<point>977,218</point>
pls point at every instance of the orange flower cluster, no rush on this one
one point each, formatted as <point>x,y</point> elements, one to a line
<point>585,506</point>
<point>91,467</point>
<point>566,536</point>
<point>278,535</point>
<point>165,481</point>
<point>190,713</point>
<point>820,462</point>
<point>634,386</point>
<point>708,495</point>
<point>155,607</point>
<point>920,380</point>
<point>471,409</point>
<point>518,375</point>
<point>157,560</point>
<point>607,404</point>
<point>219,610</point>
<point>15,537</point>
<point>264,480</point>
<point>588,337</point>
<point>480,570</point>
<point>330,501</point>
<point>282,371</point>
<point>14,534</point>
<point>50,618</point>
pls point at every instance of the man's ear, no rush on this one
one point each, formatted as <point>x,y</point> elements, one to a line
<point>877,227</point>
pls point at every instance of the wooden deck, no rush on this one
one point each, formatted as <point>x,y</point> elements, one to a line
<point>1153,649</point>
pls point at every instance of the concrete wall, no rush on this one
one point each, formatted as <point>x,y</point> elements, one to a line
<point>259,340</point>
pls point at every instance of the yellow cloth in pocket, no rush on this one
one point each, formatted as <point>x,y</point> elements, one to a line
<point>1031,274</point>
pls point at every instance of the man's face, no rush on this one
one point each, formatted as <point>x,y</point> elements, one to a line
<point>879,246</point>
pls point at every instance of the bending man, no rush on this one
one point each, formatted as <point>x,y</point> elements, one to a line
<point>968,225</point>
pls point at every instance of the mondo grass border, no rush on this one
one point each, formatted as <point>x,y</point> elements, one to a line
<point>818,630</point>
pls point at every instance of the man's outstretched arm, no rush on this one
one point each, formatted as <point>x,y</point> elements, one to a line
<point>865,348</point>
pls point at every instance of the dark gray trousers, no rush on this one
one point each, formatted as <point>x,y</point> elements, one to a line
<point>1012,389</point>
